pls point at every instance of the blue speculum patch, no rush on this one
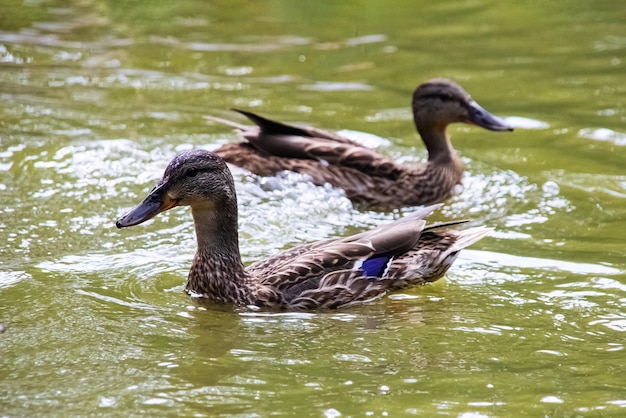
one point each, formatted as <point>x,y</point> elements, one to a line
<point>374,267</point>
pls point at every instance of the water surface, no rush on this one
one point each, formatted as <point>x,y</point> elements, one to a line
<point>96,97</point>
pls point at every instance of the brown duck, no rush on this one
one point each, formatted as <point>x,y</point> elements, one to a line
<point>368,178</point>
<point>327,274</point>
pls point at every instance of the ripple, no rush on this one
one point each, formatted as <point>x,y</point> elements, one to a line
<point>604,134</point>
<point>137,261</point>
<point>512,261</point>
<point>366,139</point>
<point>551,399</point>
<point>615,324</point>
<point>354,358</point>
<point>366,39</point>
<point>336,86</point>
<point>553,353</point>
<point>114,77</point>
<point>279,212</point>
<point>282,316</point>
<point>331,413</point>
<point>9,278</point>
<point>393,114</point>
<point>117,301</point>
<point>526,123</point>
<point>292,210</point>
<point>265,44</point>
<point>54,40</point>
<point>592,183</point>
<point>610,43</point>
<point>8,57</point>
<point>492,195</point>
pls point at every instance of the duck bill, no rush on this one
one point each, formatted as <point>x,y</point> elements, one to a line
<point>156,202</point>
<point>480,117</point>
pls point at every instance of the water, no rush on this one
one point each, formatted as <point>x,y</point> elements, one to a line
<point>96,97</point>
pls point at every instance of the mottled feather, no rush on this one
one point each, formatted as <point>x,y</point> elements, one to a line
<point>368,178</point>
<point>327,274</point>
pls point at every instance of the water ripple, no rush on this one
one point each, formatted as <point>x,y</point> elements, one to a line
<point>526,123</point>
<point>9,278</point>
<point>54,40</point>
<point>267,44</point>
<point>513,261</point>
<point>604,134</point>
<point>336,86</point>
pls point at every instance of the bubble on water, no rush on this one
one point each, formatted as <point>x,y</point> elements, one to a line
<point>106,401</point>
<point>332,413</point>
<point>550,188</point>
<point>551,399</point>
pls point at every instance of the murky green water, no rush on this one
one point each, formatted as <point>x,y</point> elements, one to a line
<point>96,97</point>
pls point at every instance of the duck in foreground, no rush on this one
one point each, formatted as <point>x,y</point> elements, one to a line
<point>327,274</point>
<point>368,178</point>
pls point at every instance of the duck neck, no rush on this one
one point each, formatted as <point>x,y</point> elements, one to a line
<point>437,142</point>
<point>217,271</point>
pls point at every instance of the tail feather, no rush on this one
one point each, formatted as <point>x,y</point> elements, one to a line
<point>437,225</point>
<point>424,211</point>
<point>269,126</point>
<point>469,236</point>
<point>227,122</point>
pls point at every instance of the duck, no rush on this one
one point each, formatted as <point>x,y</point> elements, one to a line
<point>369,179</point>
<point>328,274</point>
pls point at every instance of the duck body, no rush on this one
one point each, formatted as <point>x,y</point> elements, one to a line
<point>326,274</point>
<point>368,178</point>
<point>374,187</point>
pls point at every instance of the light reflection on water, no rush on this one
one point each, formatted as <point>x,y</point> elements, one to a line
<point>274,212</point>
<point>94,103</point>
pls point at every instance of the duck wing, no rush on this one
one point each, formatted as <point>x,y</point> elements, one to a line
<point>278,139</point>
<point>337,273</point>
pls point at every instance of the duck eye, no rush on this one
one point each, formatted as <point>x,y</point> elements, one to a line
<point>192,172</point>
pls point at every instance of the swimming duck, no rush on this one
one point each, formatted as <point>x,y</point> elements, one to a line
<point>327,274</point>
<point>369,179</point>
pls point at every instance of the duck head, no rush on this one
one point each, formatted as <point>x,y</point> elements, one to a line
<point>196,178</point>
<point>440,102</point>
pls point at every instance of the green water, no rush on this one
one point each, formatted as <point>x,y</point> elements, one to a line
<point>96,97</point>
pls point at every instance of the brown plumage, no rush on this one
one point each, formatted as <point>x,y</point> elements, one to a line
<point>326,274</point>
<point>368,178</point>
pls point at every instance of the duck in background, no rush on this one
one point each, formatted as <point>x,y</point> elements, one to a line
<point>328,274</point>
<point>369,179</point>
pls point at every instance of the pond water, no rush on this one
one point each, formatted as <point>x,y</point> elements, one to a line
<point>97,96</point>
